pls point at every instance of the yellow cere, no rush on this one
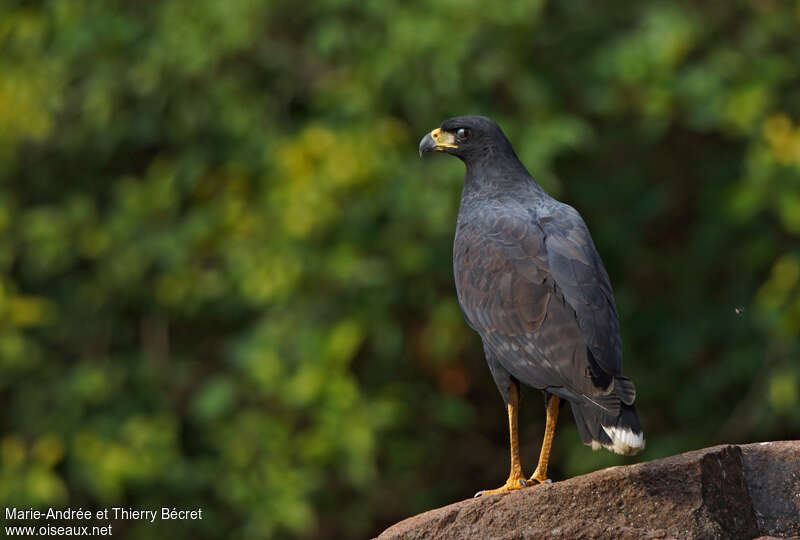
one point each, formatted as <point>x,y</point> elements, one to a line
<point>444,139</point>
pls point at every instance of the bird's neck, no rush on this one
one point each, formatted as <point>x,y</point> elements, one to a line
<point>503,173</point>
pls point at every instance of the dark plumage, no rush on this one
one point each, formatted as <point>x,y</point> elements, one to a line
<point>531,283</point>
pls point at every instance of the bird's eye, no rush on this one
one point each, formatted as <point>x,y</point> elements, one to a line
<point>462,134</point>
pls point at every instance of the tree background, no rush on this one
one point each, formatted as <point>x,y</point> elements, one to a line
<point>226,277</point>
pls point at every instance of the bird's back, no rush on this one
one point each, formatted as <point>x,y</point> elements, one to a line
<point>509,296</point>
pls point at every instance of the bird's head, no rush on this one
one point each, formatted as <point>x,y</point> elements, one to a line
<point>470,138</point>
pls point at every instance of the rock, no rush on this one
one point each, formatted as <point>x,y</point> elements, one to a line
<point>727,491</point>
<point>772,473</point>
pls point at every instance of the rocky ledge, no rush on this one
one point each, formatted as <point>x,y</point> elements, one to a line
<point>728,491</point>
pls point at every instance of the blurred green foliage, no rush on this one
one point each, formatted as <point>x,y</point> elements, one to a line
<point>225,277</point>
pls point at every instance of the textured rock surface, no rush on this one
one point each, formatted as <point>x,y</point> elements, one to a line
<point>772,473</point>
<point>746,491</point>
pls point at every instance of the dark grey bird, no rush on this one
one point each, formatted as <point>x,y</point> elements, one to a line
<point>531,283</point>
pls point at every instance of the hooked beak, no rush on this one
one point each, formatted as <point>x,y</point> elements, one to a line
<point>437,140</point>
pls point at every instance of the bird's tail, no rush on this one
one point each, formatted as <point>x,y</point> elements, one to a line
<point>621,434</point>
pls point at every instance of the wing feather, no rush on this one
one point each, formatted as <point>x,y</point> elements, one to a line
<point>577,268</point>
<point>537,292</point>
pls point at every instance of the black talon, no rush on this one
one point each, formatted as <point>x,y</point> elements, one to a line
<point>522,482</point>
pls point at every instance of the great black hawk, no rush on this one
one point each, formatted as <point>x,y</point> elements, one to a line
<point>531,283</point>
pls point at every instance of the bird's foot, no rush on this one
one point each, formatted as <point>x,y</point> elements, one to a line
<point>515,481</point>
<point>538,478</point>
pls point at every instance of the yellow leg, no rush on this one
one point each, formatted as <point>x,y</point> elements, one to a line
<point>516,480</point>
<point>540,474</point>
